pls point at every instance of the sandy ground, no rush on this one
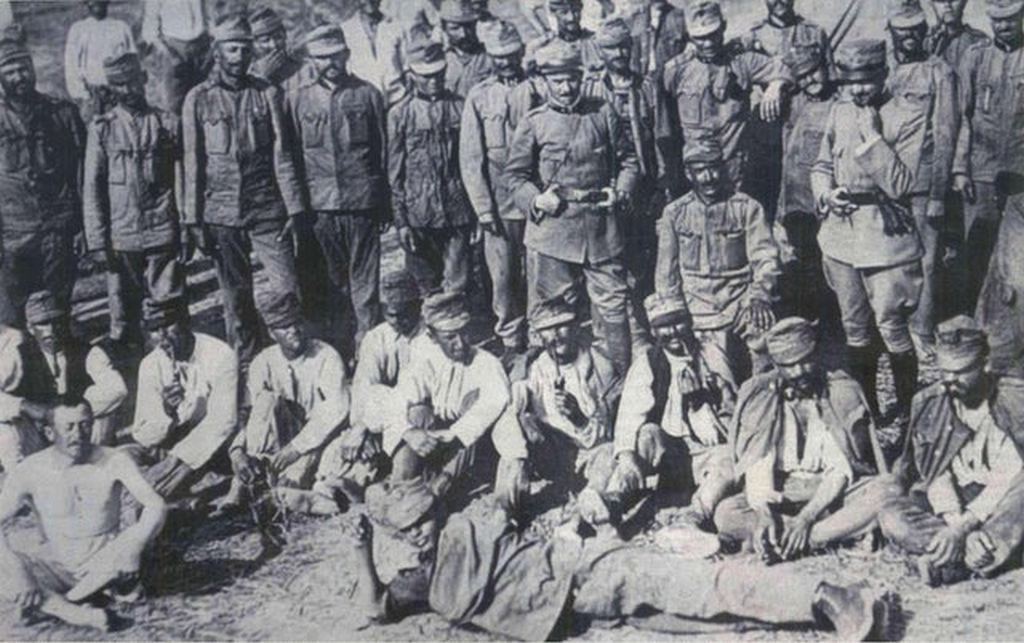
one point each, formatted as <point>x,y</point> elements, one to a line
<point>210,583</point>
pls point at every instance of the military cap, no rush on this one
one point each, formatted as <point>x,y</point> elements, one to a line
<point>702,147</point>
<point>860,60</point>
<point>564,4</point>
<point>446,311</point>
<point>42,307</point>
<point>667,310</point>
<point>906,14</point>
<point>12,45</point>
<point>558,56</point>
<point>791,340</point>
<point>703,18</point>
<point>457,11</point>
<point>161,313</point>
<point>613,32</point>
<point>265,21</point>
<point>325,40</point>
<point>502,39</point>
<point>122,69</point>
<point>278,309</point>
<point>1004,8</point>
<point>551,313</point>
<point>961,342</point>
<point>400,504</point>
<point>803,60</point>
<point>399,288</point>
<point>232,28</point>
<point>424,55</point>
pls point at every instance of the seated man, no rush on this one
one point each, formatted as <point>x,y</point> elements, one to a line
<point>965,508</point>
<point>674,412</point>
<point>454,394</point>
<point>804,442</point>
<point>299,401</point>
<point>354,460</point>
<point>187,407</point>
<point>478,570</point>
<point>35,371</point>
<point>74,489</point>
<point>566,405</point>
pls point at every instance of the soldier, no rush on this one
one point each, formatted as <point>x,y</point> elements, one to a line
<point>571,164</point>
<point>805,448</point>
<point>802,282</point>
<point>673,418</point>
<point>483,150</point>
<point>565,16</point>
<point>659,35</point>
<point>781,32</point>
<point>340,121</point>
<point>468,63</point>
<point>716,250</point>
<point>300,400</point>
<point>363,35</point>
<point>50,362</point>
<point>990,152</point>
<point>951,37</point>
<point>175,41</point>
<point>42,141</point>
<point>241,185</point>
<point>187,406</point>
<point>925,87</point>
<point>132,162</point>
<point>91,41</point>
<point>963,511</point>
<point>272,62</point>
<point>432,212</point>
<point>709,86</point>
<point>863,180</point>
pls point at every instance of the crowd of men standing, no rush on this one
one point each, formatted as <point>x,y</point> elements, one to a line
<point>704,202</point>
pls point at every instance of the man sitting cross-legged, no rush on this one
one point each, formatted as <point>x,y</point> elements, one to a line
<point>74,489</point>
<point>965,508</point>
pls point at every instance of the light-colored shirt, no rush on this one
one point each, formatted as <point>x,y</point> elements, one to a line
<point>447,385</point>
<point>700,428</point>
<point>576,379</point>
<point>383,355</point>
<point>989,458</point>
<point>316,381</point>
<point>6,14</point>
<point>209,408</point>
<point>105,395</point>
<point>90,42</point>
<point>367,51</point>
<point>179,19</point>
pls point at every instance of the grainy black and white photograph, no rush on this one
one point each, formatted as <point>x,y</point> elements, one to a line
<point>433,320</point>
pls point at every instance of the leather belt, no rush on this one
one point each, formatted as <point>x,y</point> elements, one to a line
<point>572,195</point>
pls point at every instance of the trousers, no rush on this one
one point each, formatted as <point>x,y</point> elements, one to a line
<point>32,261</point>
<point>134,275</point>
<point>441,259</point>
<point>505,256</point>
<point>351,248</point>
<point>980,231</point>
<point>272,425</point>
<point>922,322</point>
<point>235,275</point>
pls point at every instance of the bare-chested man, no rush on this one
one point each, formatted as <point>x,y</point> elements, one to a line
<point>75,489</point>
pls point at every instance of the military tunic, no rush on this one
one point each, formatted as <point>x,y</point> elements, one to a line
<point>465,69</point>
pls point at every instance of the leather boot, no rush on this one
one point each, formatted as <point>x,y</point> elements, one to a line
<point>904,377</point>
<point>864,368</point>
<point>854,611</point>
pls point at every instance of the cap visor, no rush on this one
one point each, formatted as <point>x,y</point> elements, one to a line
<point>325,50</point>
<point>905,22</point>
<point>504,50</point>
<point>428,69</point>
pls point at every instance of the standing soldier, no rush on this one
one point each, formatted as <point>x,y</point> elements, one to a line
<point>863,181</point>
<point>272,61</point>
<point>715,248</point>
<point>990,152</point>
<point>41,144</point>
<point>927,88</point>
<point>950,38</point>
<point>468,63</point>
<point>709,86</point>
<point>432,212</point>
<point>659,35</point>
<point>130,208</point>
<point>240,181</point>
<point>340,122</point>
<point>567,16</point>
<point>571,165</point>
<point>483,149</point>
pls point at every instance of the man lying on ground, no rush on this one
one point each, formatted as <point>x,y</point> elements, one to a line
<point>75,490</point>
<point>478,570</point>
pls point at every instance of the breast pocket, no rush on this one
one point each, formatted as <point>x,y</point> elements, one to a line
<point>313,126</point>
<point>117,166</point>
<point>691,107</point>
<point>728,249</point>
<point>494,131</point>
<point>689,242</point>
<point>551,159</point>
<point>217,134</point>
<point>357,127</point>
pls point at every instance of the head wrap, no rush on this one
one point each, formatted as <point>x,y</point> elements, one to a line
<point>558,56</point>
<point>666,310</point>
<point>424,55</point>
<point>702,147</point>
<point>703,18</point>
<point>961,343</point>
<point>457,11</point>
<point>446,311</point>
<point>122,69</point>
<point>613,32</point>
<point>906,15</point>
<point>232,28</point>
<point>12,45</point>
<point>502,40</point>
<point>791,340</point>
<point>399,288</point>
<point>1004,8</point>
<point>265,21</point>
